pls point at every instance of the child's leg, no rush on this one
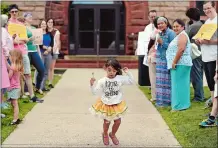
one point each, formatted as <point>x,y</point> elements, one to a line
<point>114,130</point>
<point>106,127</point>
<point>14,103</point>
<point>105,133</point>
<point>115,126</point>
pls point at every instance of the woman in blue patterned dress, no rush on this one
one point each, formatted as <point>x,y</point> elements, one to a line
<point>179,62</point>
<point>163,82</point>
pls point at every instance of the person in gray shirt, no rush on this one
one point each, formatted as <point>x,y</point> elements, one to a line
<point>197,69</point>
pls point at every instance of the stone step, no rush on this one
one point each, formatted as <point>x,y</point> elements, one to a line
<point>100,58</point>
<point>93,61</point>
<point>92,65</point>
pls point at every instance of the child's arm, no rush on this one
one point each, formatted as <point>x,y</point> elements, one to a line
<point>10,74</point>
<point>97,89</point>
<point>128,79</point>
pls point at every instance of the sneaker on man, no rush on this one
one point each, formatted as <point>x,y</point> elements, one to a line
<point>37,100</point>
<point>208,123</point>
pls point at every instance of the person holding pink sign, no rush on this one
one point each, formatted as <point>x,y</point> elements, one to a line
<point>33,53</point>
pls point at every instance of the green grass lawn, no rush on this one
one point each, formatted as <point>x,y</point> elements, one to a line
<point>6,128</point>
<point>184,124</point>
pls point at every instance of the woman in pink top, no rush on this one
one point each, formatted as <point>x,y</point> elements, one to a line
<point>20,44</point>
<point>15,70</point>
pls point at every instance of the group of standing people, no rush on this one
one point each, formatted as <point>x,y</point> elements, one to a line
<point>169,60</point>
<point>171,64</point>
<point>19,54</point>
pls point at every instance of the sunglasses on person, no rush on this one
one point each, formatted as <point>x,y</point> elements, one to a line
<point>14,11</point>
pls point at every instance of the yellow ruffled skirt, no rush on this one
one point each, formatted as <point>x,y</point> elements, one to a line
<point>108,112</point>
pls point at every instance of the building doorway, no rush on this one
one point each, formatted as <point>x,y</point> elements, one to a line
<point>97,28</point>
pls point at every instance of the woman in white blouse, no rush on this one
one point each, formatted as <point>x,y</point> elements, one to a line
<point>7,40</point>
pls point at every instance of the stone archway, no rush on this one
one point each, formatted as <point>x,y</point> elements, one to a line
<point>136,19</point>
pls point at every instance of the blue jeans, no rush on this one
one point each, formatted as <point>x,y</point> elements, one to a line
<point>46,59</point>
<point>197,79</point>
<point>37,62</point>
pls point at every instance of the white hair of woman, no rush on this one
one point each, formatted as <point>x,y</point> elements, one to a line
<point>162,19</point>
<point>4,20</point>
<point>6,38</point>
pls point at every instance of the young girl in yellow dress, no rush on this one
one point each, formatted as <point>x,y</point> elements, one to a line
<point>110,107</point>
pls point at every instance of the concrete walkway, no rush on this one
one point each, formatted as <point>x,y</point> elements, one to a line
<point>63,120</point>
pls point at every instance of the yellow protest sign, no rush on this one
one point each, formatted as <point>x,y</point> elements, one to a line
<point>206,31</point>
<point>18,29</point>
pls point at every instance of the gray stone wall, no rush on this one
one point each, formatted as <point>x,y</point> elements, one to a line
<point>171,10</point>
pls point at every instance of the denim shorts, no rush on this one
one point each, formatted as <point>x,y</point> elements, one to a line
<point>14,93</point>
<point>55,56</point>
